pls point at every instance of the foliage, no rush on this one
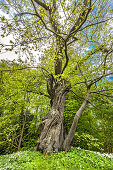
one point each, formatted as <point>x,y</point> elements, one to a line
<point>19,108</point>
<point>72,104</point>
<point>88,132</point>
<point>76,158</point>
<point>104,118</point>
<point>88,121</point>
<point>87,141</point>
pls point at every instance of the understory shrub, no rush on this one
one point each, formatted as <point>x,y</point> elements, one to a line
<point>87,141</point>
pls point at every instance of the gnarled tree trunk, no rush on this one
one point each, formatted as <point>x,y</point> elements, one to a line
<point>52,137</point>
<point>52,126</point>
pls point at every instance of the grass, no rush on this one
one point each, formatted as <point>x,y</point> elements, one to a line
<point>75,159</point>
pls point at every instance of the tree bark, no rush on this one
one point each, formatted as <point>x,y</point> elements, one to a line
<point>52,126</point>
<point>52,132</point>
<point>68,140</point>
<point>22,132</point>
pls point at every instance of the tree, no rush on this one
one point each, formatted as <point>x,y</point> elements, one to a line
<point>67,28</point>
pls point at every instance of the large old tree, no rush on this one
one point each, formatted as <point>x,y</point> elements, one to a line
<point>75,40</point>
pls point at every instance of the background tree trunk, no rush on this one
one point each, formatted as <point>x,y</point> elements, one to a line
<point>21,135</point>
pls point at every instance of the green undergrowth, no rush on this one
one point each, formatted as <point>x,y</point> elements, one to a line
<point>75,159</point>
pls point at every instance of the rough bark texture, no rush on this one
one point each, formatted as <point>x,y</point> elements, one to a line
<point>52,138</point>
<point>52,126</point>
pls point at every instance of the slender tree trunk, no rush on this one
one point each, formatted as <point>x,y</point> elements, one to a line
<point>67,142</point>
<point>52,127</point>
<point>22,132</point>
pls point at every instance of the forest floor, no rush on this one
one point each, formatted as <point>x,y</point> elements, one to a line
<point>75,159</point>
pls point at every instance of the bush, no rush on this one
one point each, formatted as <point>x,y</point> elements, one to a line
<point>87,141</point>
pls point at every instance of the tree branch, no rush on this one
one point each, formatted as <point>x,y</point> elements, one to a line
<point>34,6</point>
<point>68,139</point>
<point>27,68</point>
<point>76,94</point>
<point>75,39</point>
<point>101,90</point>
<point>37,14</point>
<point>104,94</point>
<point>83,99</point>
<point>89,54</point>
<point>51,19</point>
<point>54,5</point>
<point>82,75</point>
<point>81,20</point>
<point>42,4</point>
<point>67,58</point>
<point>95,24</point>
<point>26,13</point>
<point>99,78</point>
<point>40,93</point>
<point>105,59</point>
<point>79,83</point>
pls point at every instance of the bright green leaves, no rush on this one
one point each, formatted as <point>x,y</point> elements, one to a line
<point>21,94</point>
<point>87,141</point>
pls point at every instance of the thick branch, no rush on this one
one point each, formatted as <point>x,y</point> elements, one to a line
<point>26,13</point>
<point>67,58</point>
<point>54,24</point>
<point>42,4</point>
